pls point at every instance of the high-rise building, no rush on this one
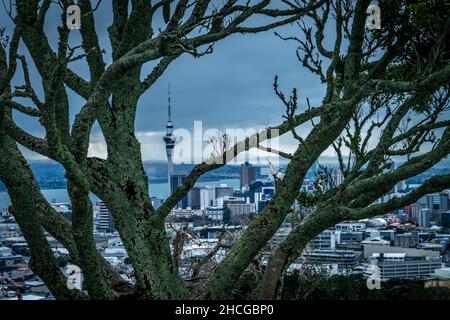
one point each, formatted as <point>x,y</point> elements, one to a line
<point>169,139</point>
<point>408,211</point>
<point>445,219</point>
<point>424,218</point>
<point>248,174</point>
<point>176,180</point>
<point>431,201</point>
<point>415,211</point>
<point>105,221</point>
<point>443,202</point>
<point>207,195</point>
<point>194,200</point>
<point>223,191</point>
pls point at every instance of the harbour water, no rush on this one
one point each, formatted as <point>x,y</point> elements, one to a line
<point>159,190</point>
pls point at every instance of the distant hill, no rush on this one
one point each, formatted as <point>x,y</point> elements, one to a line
<point>50,175</point>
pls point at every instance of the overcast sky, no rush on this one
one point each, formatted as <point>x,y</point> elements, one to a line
<point>230,88</point>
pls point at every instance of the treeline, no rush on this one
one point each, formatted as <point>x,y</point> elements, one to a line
<point>320,286</point>
<point>353,287</point>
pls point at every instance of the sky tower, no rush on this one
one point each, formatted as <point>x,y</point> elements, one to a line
<point>169,139</point>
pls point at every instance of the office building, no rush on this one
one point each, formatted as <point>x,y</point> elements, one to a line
<point>388,234</point>
<point>323,241</point>
<point>406,240</point>
<point>443,202</point>
<point>223,191</point>
<point>350,226</point>
<point>369,249</point>
<point>214,213</point>
<point>445,219</point>
<point>176,180</point>
<point>399,265</point>
<point>349,240</point>
<point>105,221</point>
<point>345,259</point>
<point>195,198</point>
<point>241,208</point>
<point>248,175</point>
<point>424,218</point>
<point>415,211</point>
<point>207,195</point>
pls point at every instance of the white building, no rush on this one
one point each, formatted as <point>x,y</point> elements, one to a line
<point>207,195</point>
<point>5,252</point>
<point>214,213</point>
<point>350,226</point>
<point>394,265</point>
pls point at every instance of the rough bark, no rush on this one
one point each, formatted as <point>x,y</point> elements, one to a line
<point>24,206</point>
<point>112,94</point>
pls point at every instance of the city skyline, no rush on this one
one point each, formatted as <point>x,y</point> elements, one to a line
<point>222,150</point>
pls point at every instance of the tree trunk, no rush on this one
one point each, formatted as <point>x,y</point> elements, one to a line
<point>82,230</point>
<point>290,249</point>
<point>21,186</point>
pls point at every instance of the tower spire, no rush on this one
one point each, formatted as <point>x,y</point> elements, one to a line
<point>169,141</point>
<point>168,100</point>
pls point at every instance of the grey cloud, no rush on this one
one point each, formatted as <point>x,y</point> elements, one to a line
<point>231,88</point>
